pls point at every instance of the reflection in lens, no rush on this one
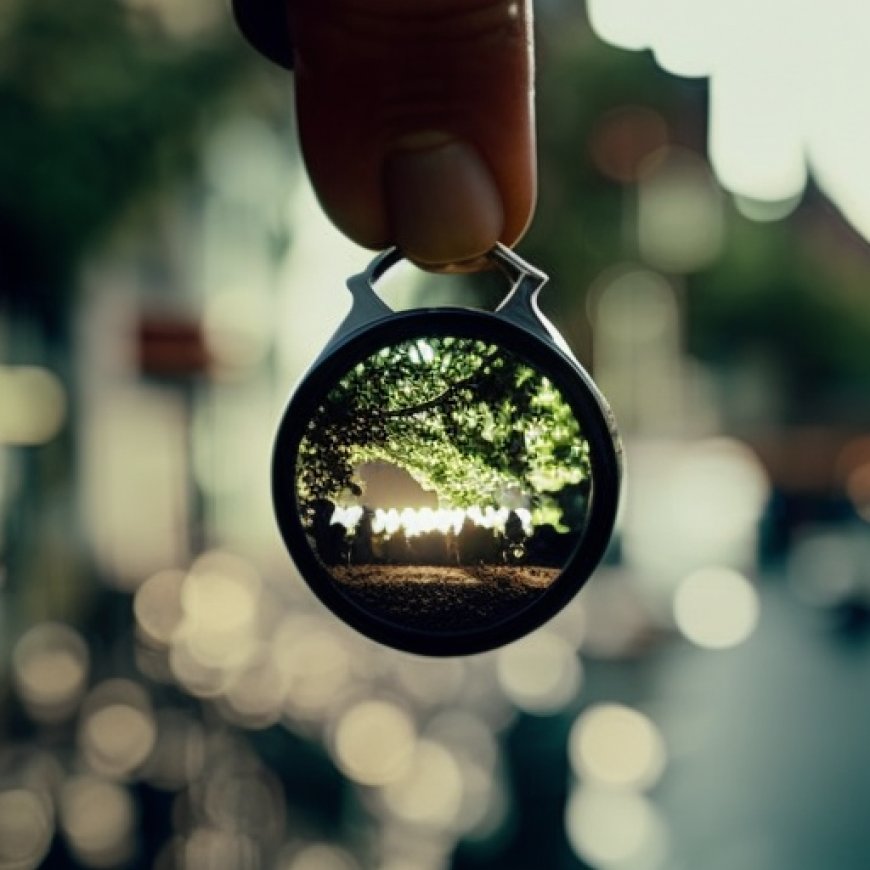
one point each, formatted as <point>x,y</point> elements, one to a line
<point>444,483</point>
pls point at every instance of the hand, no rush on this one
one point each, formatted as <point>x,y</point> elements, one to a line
<point>416,121</point>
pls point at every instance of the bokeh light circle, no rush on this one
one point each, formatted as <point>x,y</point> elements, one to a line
<point>540,674</point>
<point>716,608</point>
<point>374,742</point>
<point>26,829</point>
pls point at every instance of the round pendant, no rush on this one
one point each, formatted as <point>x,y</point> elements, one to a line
<point>446,479</point>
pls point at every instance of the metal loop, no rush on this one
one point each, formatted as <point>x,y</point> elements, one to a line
<point>501,256</point>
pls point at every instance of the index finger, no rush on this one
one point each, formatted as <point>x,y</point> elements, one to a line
<point>416,121</point>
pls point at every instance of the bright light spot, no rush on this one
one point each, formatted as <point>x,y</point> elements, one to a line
<point>716,608</point>
<point>680,215</point>
<point>50,668</point>
<point>419,521</point>
<point>427,354</point>
<point>220,600</point>
<point>615,829</point>
<point>540,674</point>
<point>429,791</point>
<point>615,746</point>
<point>117,731</point>
<point>26,829</point>
<point>374,742</point>
<point>32,405</point>
<point>347,516</point>
<point>97,819</point>
<point>690,504</point>
<point>157,606</point>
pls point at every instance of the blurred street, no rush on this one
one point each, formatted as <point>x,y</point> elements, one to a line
<point>172,695</point>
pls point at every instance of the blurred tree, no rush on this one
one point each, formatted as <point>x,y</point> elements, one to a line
<point>100,108</point>
<point>97,107</point>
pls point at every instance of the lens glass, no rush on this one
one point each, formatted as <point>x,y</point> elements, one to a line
<point>443,483</point>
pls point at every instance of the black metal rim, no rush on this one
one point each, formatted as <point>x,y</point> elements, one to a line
<point>264,25</point>
<point>576,387</point>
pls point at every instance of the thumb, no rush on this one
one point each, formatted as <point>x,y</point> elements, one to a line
<point>415,120</point>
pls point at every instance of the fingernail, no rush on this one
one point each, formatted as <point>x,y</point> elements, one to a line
<point>442,201</point>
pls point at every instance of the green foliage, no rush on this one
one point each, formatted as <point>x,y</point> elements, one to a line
<point>97,108</point>
<point>465,418</point>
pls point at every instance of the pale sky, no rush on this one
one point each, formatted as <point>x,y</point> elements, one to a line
<point>789,87</point>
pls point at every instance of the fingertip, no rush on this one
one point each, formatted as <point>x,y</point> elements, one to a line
<point>443,205</point>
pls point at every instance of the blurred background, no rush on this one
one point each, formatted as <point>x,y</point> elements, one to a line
<point>173,696</point>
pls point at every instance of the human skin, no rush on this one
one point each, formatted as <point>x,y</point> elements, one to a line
<point>416,122</point>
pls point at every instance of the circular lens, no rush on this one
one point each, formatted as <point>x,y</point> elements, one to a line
<point>433,487</point>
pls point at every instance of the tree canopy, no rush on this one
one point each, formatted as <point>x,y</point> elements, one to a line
<point>466,418</point>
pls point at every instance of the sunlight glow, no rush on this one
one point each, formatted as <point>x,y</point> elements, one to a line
<point>716,608</point>
<point>773,115</point>
<point>419,521</point>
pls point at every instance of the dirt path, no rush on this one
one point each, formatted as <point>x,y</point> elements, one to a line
<point>443,598</point>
